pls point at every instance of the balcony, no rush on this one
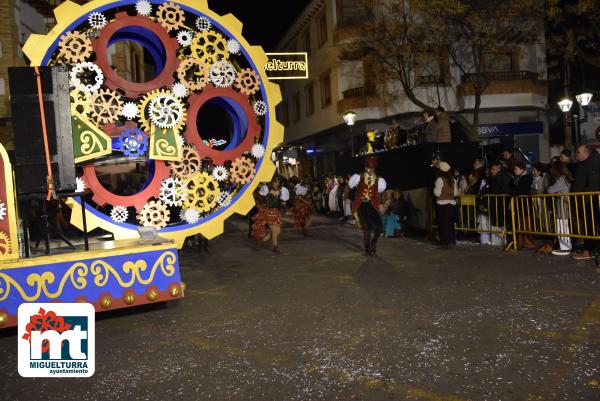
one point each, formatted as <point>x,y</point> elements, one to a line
<point>505,82</point>
<point>357,98</point>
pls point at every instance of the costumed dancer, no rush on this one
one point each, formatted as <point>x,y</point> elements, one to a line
<point>366,206</point>
<point>303,207</point>
<point>275,195</point>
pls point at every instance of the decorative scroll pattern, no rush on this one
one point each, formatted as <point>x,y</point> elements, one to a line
<point>164,145</point>
<point>89,142</point>
<point>82,274</point>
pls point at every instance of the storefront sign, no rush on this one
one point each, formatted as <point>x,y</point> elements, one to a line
<point>526,128</point>
<point>287,66</point>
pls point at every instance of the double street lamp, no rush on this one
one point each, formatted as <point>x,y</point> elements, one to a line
<point>583,100</point>
<point>350,119</point>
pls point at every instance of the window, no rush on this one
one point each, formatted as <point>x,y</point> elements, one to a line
<point>498,62</point>
<point>432,69</point>
<point>321,20</point>
<point>309,96</point>
<point>282,113</point>
<point>352,12</point>
<point>296,107</point>
<point>325,89</point>
<point>306,41</point>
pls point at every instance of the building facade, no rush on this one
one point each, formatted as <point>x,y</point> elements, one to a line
<point>513,110</point>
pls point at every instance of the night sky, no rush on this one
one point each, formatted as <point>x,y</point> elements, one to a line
<point>265,21</point>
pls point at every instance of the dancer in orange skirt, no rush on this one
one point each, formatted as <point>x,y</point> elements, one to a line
<point>275,196</point>
<point>303,207</point>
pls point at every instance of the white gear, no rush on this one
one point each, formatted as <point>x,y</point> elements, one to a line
<point>185,38</point>
<point>143,7</point>
<point>180,140</point>
<point>97,20</point>
<point>233,46</point>
<point>80,185</point>
<point>172,192</point>
<point>2,211</point>
<point>166,111</point>
<point>222,74</point>
<point>258,150</point>
<point>224,199</point>
<point>129,110</point>
<point>179,90</point>
<point>85,68</point>
<point>119,214</point>
<point>260,108</point>
<point>203,24</point>
<point>220,173</point>
<point>191,216</point>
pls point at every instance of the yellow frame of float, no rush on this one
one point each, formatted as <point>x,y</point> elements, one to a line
<point>78,255</point>
<point>68,12</point>
<point>11,208</point>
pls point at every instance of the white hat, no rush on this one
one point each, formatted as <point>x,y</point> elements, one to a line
<point>443,166</point>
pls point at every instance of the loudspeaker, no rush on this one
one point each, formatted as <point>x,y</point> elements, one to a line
<point>30,155</point>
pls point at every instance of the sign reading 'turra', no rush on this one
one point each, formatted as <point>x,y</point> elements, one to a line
<point>287,66</point>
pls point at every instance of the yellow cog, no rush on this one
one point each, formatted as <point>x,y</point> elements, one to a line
<point>203,192</point>
<point>209,47</point>
<point>154,214</point>
<point>4,243</point>
<point>81,102</point>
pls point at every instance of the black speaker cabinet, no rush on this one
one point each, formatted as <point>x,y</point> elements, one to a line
<point>30,156</point>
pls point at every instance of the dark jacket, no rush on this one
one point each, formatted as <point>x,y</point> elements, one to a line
<point>522,185</point>
<point>498,208</point>
<point>500,184</point>
<point>587,174</point>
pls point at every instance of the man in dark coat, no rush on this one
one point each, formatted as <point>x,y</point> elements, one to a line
<point>499,183</point>
<point>587,179</point>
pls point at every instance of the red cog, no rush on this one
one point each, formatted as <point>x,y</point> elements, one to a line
<point>112,79</point>
<point>192,135</point>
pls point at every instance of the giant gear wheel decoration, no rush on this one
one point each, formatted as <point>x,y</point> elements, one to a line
<point>183,39</point>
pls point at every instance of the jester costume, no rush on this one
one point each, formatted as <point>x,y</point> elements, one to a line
<point>366,204</point>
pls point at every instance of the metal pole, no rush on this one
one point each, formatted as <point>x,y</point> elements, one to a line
<point>576,124</point>
<point>351,141</point>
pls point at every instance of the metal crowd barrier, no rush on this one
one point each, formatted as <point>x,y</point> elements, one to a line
<point>502,217</point>
<point>488,215</point>
<point>573,215</point>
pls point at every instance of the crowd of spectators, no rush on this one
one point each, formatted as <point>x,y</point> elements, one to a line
<point>508,176</point>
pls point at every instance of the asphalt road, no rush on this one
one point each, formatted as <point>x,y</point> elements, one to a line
<point>323,322</point>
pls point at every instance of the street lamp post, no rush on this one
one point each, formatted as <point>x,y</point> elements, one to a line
<point>583,100</point>
<point>350,119</point>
